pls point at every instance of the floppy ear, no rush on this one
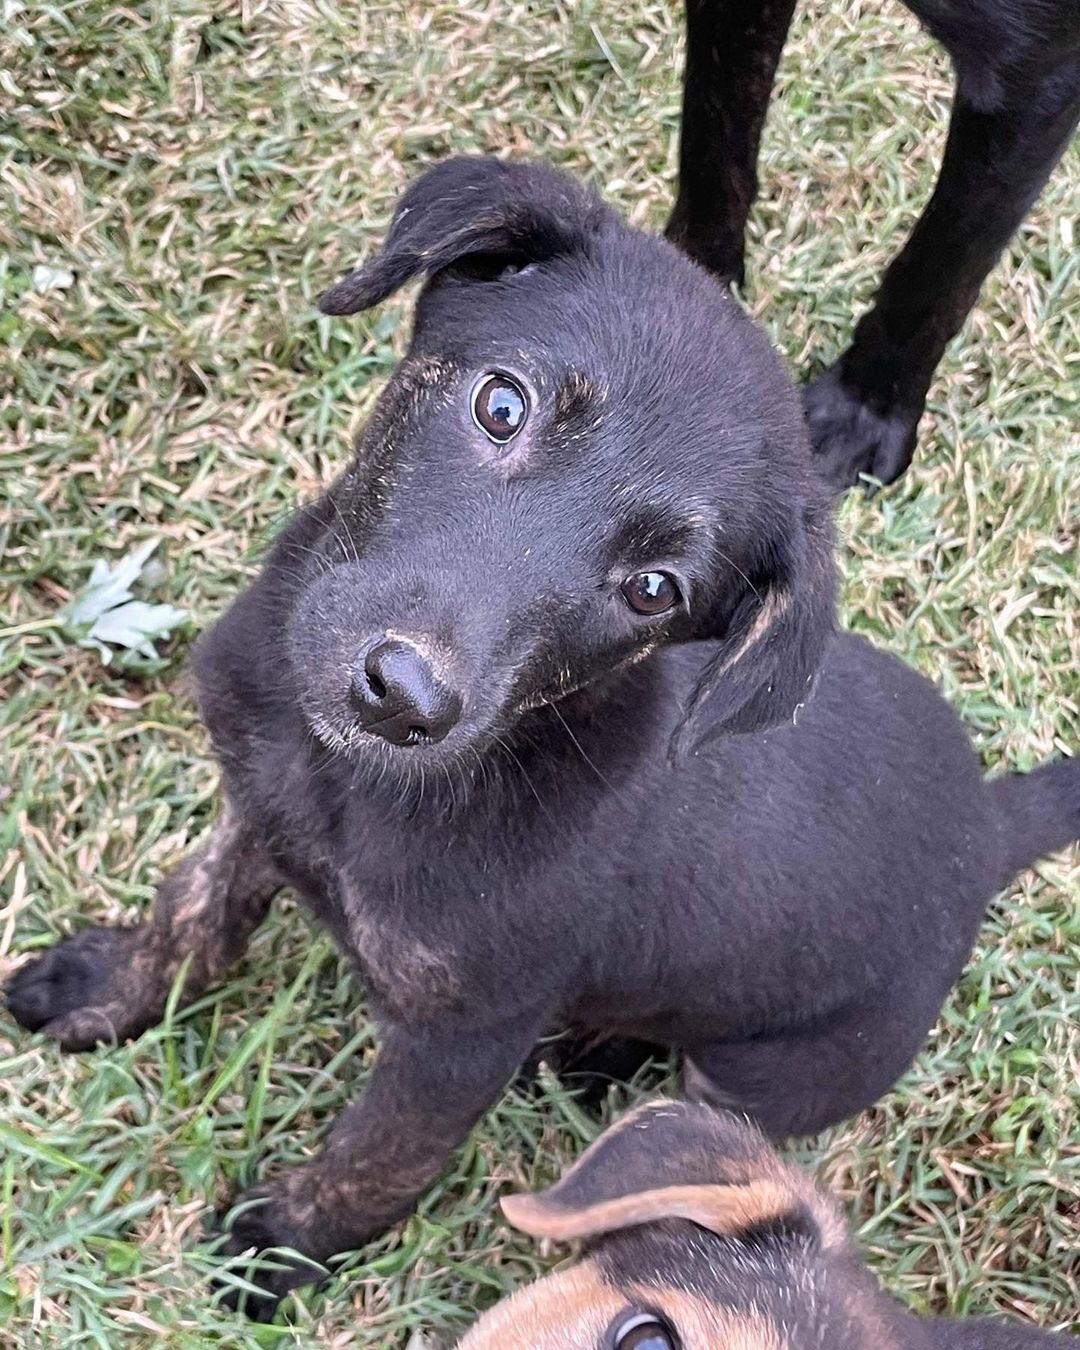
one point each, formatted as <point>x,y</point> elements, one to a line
<point>774,642</point>
<point>469,206</point>
<point>667,1160</point>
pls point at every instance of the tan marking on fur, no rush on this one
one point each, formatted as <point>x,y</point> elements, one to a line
<point>721,1209</point>
<point>701,1323</point>
<point>772,608</point>
<point>827,1215</point>
<point>567,1310</point>
<point>203,868</point>
<point>406,973</point>
<point>572,1309</point>
<point>745,1191</point>
<point>802,1188</point>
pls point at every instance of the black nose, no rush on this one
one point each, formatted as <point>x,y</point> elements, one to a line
<point>398,696</point>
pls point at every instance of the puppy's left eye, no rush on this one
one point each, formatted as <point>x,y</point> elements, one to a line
<point>644,1331</point>
<point>499,407</point>
<point>650,592</point>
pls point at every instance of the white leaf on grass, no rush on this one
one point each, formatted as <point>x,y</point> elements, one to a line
<point>104,615</point>
<point>109,586</point>
<point>135,625</point>
<point>47,278</point>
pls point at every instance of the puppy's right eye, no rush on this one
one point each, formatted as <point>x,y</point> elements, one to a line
<point>499,407</point>
<point>644,1331</point>
<point>650,592</point>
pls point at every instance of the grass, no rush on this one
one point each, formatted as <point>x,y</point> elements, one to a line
<point>201,172</point>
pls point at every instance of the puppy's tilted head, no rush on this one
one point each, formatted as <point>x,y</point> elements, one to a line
<point>587,452</point>
<point>698,1237</point>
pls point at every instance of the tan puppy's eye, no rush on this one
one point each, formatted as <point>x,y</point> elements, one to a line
<point>643,1331</point>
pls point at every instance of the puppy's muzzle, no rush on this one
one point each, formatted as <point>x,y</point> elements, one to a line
<point>399,696</point>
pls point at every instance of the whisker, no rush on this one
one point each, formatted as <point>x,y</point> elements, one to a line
<point>345,527</point>
<point>731,563</point>
<point>580,749</point>
<point>525,774</point>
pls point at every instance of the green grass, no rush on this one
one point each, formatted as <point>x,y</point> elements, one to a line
<point>203,171</point>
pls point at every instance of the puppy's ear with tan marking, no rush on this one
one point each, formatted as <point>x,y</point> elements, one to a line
<point>671,1160</point>
<point>773,643</point>
<point>474,208</point>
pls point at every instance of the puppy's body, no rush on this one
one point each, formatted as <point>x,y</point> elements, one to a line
<point>793,905</point>
<point>548,723</point>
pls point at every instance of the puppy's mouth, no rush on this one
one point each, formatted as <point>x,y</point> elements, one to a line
<point>546,698</point>
<point>354,741</point>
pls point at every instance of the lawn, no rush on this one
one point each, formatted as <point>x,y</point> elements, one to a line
<point>185,178</point>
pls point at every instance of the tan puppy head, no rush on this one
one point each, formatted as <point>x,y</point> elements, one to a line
<point>698,1237</point>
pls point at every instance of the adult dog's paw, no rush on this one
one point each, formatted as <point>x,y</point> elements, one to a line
<point>265,1247</point>
<point>849,438</point>
<point>75,992</point>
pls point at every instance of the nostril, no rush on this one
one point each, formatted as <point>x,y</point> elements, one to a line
<point>375,670</point>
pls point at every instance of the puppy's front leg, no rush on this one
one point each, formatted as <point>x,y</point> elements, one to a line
<point>105,984</point>
<point>428,1088</point>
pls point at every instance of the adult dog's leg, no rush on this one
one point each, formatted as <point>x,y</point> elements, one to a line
<point>428,1088</point>
<point>864,410</point>
<point>105,984</point>
<point>732,49</point>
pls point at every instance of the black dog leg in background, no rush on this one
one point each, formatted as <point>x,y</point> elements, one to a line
<point>110,984</point>
<point>863,411</point>
<point>732,50</point>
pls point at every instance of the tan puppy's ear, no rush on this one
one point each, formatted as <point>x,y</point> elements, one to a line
<point>726,1210</point>
<point>673,1160</point>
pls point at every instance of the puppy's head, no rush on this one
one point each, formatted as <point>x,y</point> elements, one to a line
<point>697,1237</point>
<point>587,452</point>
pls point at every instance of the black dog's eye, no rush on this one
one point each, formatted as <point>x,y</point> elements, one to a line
<point>644,1331</point>
<point>650,592</point>
<point>499,407</point>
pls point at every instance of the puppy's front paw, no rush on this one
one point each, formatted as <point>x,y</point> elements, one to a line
<point>84,991</point>
<point>267,1247</point>
<point>850,438</point>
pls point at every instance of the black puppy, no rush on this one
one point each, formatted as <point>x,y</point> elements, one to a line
<point>542,711</point>
<point>1017,101</point>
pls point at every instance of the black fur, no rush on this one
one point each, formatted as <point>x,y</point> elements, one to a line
<point>727,829</point>
<point>1017,102</point>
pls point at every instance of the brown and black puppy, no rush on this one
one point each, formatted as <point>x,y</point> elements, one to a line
<point>699,1236</point>
<point>542,711</point>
